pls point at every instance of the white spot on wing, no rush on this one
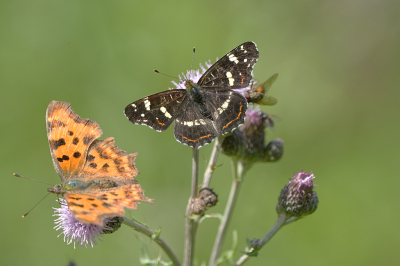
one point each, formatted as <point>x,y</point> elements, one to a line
<point>226,103</point>
<point>164,110</point>
<point>189,123</point>
<point>142,115</point>
<point>233,58</point>
<point>147,105</point>
<point>224,106</point>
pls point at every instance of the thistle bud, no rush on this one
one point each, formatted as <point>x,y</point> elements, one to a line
<point>114,224</point>
<point>297,198</point>
<point>255,243</point>
<point>208,196</point>
<point>248,142</point>
<point>273,151</point>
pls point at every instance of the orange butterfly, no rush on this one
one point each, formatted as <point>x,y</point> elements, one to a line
<point>97,177</point>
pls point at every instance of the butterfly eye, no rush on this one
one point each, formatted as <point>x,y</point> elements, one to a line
<point>56,189</point>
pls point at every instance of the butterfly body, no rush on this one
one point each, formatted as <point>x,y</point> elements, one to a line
<point>97,177</point>
<point>79,185</point>
<point>204,109</point>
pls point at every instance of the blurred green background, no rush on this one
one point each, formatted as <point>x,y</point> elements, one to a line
<point>338,92</point>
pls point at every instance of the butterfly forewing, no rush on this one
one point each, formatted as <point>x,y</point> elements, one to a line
<point>233,70</point>
<point>69,137</point>
<point>156,111</point>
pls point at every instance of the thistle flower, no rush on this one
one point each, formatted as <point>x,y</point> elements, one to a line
<point>248,142</point>
<point>195,75</point>
<point>297,198</point>
<point>78,232</point>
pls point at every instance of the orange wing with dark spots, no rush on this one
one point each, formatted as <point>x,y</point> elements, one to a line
<point>94,206</point>
<point>102,175</point>
<point>90,210</point>
<point>126,196</point>
<point>105,159</point>
<point>69,137</point>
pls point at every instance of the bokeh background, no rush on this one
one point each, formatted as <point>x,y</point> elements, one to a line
<point>338,92</point>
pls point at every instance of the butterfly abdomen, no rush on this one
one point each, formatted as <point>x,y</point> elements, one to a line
<point>102,184</point>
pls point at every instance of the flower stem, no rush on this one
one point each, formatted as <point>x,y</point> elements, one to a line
<point>279,223</point>
<point>239,170</point>
<point>146,231</point>
<point>190,223</point>
<point>211,164</point>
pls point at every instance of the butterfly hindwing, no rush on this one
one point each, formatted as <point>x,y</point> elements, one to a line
<point>126,196</point>
<point>93,206</point>
<point>105,160</point>
<point>193,129</point>
<point>69,137</point>
<point>91,210</point>
<point>229,109</point>
<point>156,111</point>
<point>233,70</point>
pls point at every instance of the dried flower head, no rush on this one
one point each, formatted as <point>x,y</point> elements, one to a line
<point>297,198</point>
<point>208,196</point>
<point>197,206</point>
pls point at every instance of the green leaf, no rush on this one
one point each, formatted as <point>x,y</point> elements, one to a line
<point>228,255</point>
<point>213,215</point>
<point>156,234</point>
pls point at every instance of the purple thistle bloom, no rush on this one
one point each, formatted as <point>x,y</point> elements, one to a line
<point>74,230</point>
<point>195,75</point>
<point>248,142</point>
<point>298,198</point>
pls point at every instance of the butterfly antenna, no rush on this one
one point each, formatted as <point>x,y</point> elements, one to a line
<point>194,51</point>
<point>23,216</point>
<point>17,175</point>
<point>155,70</point>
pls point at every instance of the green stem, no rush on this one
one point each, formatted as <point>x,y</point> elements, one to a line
<point>190,223</point>
<point>146,231</point>
<point>278,225</point>
<point>239,170</point>
<point>211,164</point>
